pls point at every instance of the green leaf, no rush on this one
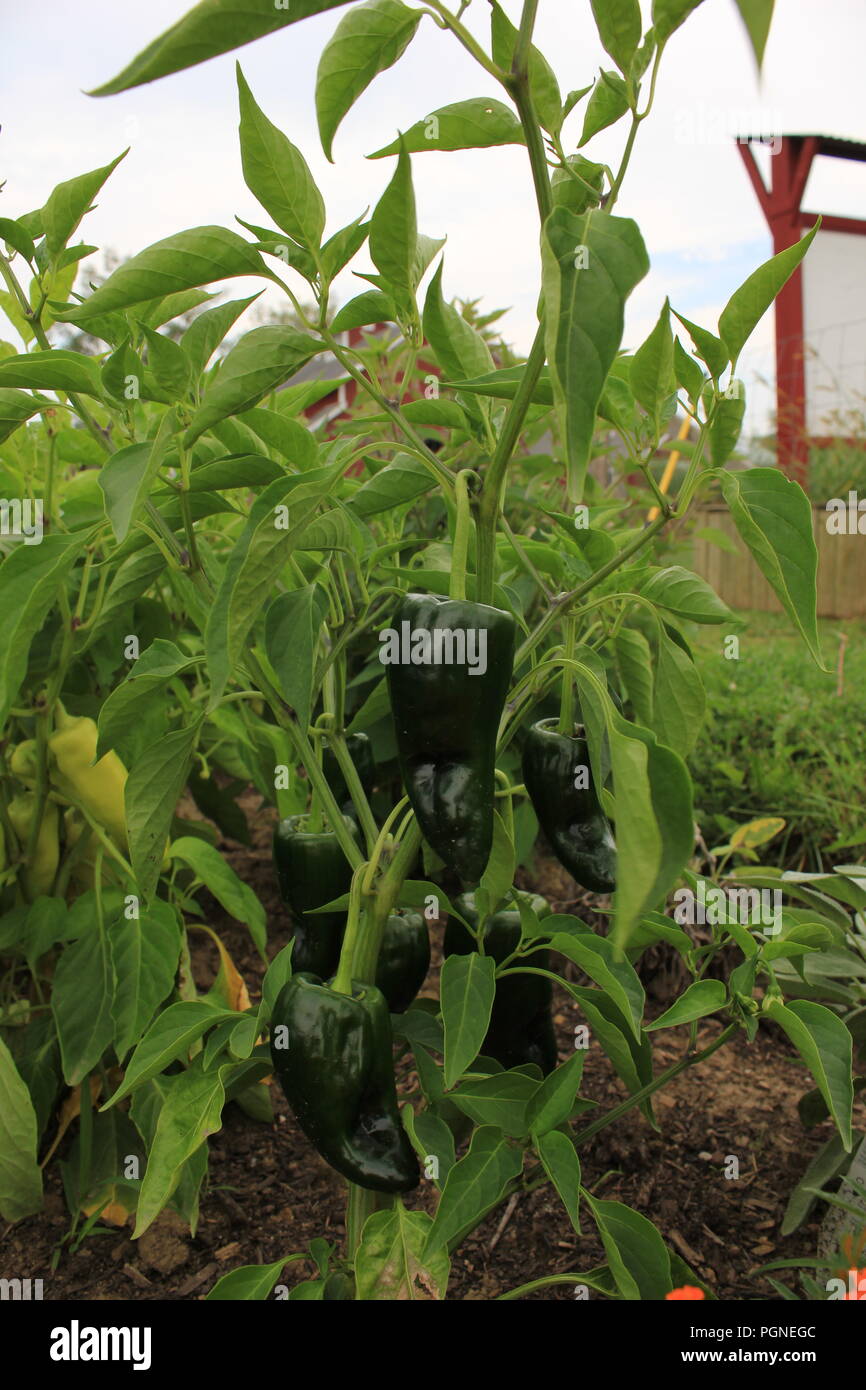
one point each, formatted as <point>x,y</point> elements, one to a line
<point>369,39</point>
<point>31,578</point>
<point>249,1283</point>
<point>633,658</point>
<point>473,1186</point>
<point>187,259</point>
<point>169,1039</point>
<point>208,29</point>
<point>651,374</point>
<point>679,700</point>
<point>339,249</point>
<point>393,486</point>
<point>144,953</point>
<point>392,1262</point>
<point>825,1045</point>
<point>292,626</point>
<point>727,423</point>
<point>607,105</point>
<point>688,374</point>
<point>370,307</point>
<point>152,791</point>
<point>476,124</point>
<point>631,1060</point>
<point>394,235</point>
<point>219,877</point>
<point>774,518</point>
<point>16,235</point>
<point>433,1140</point>
<point>168,362</point>
<point>499,871</point>
<point>748,305</point>
<point>710,349</point>
<point>597,958</point>
<point>467,990</point>
<point>68,203</point>
<point>20,1174</point>
<point>277,174</point>
<point>636,1253</point>
<point>128,476</point>
<point>701,998</point>
<point>653,803</point>
<point>263,359</point>
<point>81,1001</point>
<point>18,406</point>
<point>590,265</point>
<point>191,1112</point>
<point>757,15</point>
<point>259,554</point>
<point>130,702</point>
<point>288,438</point>
<point>829,1162</point>
<point>553,1101</point>
<point>56,370</point>
<point>543,86</point>
<point>668,15</point>
<point>205,333</point>
<point>562,1165</point>
<point>686,595</point>
<point>619,28</point>
<point>501,1100</point>
<point>460,350</point>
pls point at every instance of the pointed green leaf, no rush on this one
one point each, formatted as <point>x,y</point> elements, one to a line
<point>774,519</point>
<point>369,39</point>
<point>277,174</point>
<point>748,305</point>
<point>476,124</point>
<point>187,259</point>
<point>590,265</point>
<point>208,29</point>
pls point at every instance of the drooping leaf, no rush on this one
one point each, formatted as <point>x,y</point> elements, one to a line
<point>367,40</point>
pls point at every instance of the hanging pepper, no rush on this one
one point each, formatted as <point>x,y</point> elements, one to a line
<point>361,753</point>
<point>449,667</point>
<point>97,786</point>
<point>333,1057</point>
<point>558,778</point>
<point>404,958</point>
<point>521,1027</point>
<point>312,870</point>
<point>38,875</point>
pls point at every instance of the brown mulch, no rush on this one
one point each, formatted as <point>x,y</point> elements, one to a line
<point>269,1194</point>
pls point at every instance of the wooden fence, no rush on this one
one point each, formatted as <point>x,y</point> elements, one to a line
<point>738,581</point>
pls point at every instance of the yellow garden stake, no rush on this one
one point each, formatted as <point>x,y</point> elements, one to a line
<point>671,466</point>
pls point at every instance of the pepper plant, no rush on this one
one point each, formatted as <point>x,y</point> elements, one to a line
<point>223,596</point>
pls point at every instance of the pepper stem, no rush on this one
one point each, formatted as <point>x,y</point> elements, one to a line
<point>462,528</point>
<point>343,978</point>
<point>566,707</point>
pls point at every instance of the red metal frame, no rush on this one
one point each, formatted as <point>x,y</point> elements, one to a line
<point>789,173</point>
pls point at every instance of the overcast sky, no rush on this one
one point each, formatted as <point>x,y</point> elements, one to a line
<point>686,187</point>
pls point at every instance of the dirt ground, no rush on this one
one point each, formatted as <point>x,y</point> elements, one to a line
<point>269,1194</point>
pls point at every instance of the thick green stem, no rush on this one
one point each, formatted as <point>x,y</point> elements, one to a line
<point>489,505</point>
<point>462,529</point>
<point>566,703</point>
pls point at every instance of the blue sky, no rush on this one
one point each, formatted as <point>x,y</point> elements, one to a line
<point>686,187</point>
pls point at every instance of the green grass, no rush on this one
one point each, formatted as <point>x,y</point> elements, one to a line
<point>778,740</point>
